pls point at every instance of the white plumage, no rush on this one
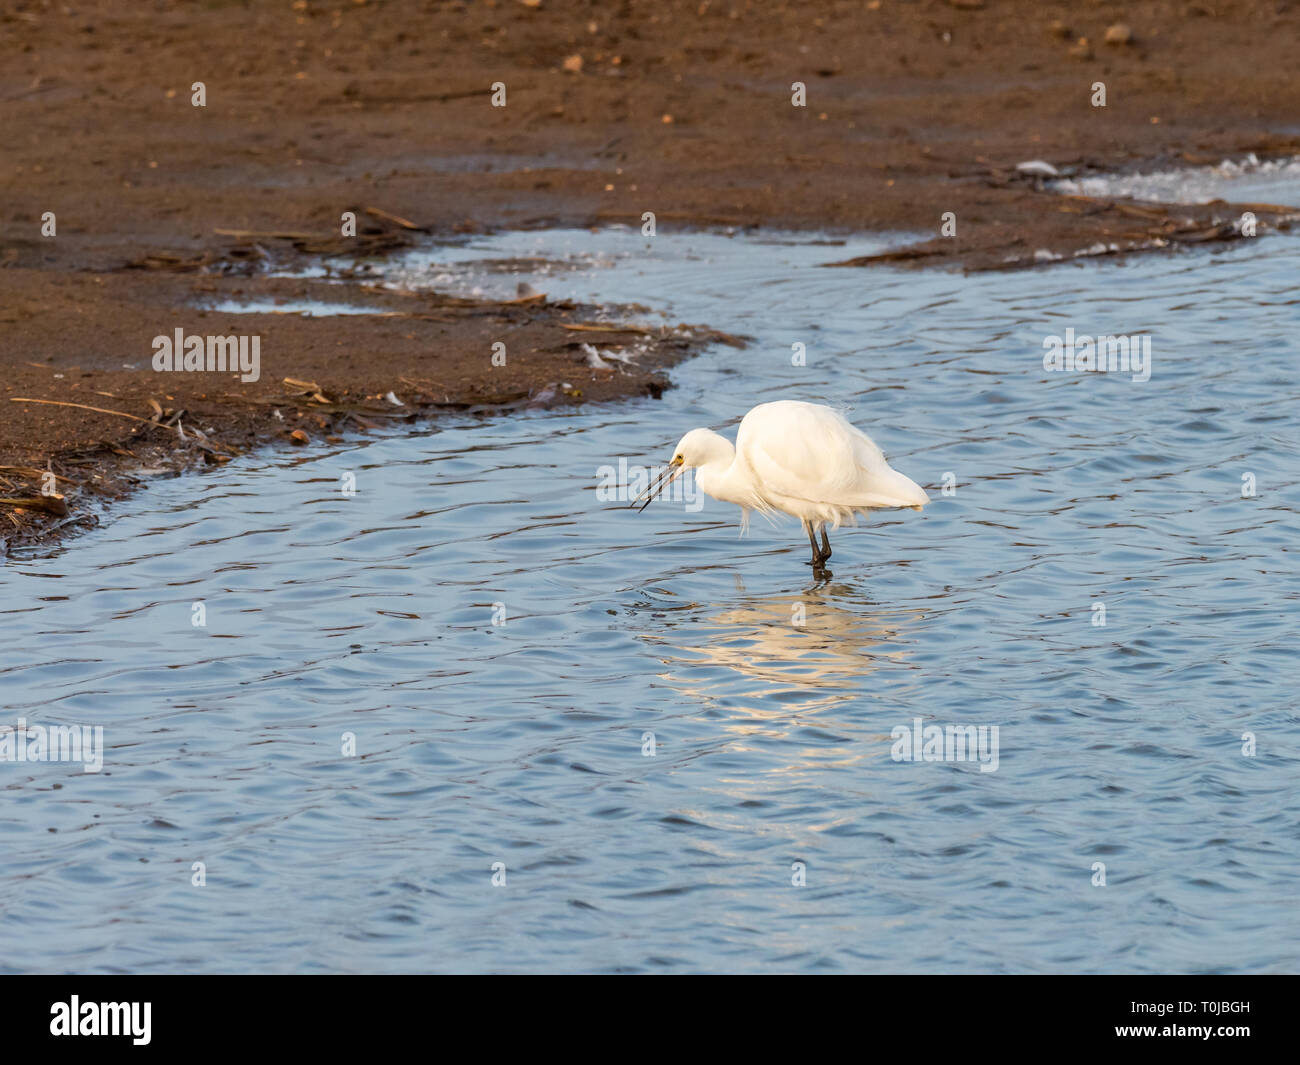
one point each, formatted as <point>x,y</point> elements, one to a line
<point>802,459</point>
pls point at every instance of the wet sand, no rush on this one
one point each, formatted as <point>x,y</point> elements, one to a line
<point>386,110</point>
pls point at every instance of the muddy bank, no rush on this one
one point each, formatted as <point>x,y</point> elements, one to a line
<point>386,109</point>
<point>681,108</point>
<point>86,404</point>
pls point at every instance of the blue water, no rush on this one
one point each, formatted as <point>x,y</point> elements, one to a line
<point>771,696</point>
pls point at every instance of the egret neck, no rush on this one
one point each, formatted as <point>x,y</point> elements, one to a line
<point>719,476</point>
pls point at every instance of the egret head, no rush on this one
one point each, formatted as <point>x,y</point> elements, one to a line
<point>697,448</point>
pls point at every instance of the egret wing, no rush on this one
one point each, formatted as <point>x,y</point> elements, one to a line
<point>809,452</point>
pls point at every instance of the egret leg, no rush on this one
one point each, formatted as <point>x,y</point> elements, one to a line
<point>819,555</point>
<point>812,539</point>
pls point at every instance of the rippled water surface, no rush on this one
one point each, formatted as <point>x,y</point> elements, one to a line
<point>771,698</point>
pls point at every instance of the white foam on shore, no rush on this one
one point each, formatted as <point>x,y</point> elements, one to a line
<point>1276,181</point>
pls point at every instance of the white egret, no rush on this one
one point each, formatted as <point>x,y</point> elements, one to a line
<point>803,459</point>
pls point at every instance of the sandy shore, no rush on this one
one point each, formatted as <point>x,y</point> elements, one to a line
<point>910,111</point>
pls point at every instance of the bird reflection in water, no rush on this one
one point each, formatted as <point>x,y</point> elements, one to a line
<point>770,657</point>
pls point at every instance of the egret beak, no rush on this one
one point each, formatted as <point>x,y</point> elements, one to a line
<point>675,469</point>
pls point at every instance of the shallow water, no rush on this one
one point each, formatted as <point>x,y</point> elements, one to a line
<point>522,743</point>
